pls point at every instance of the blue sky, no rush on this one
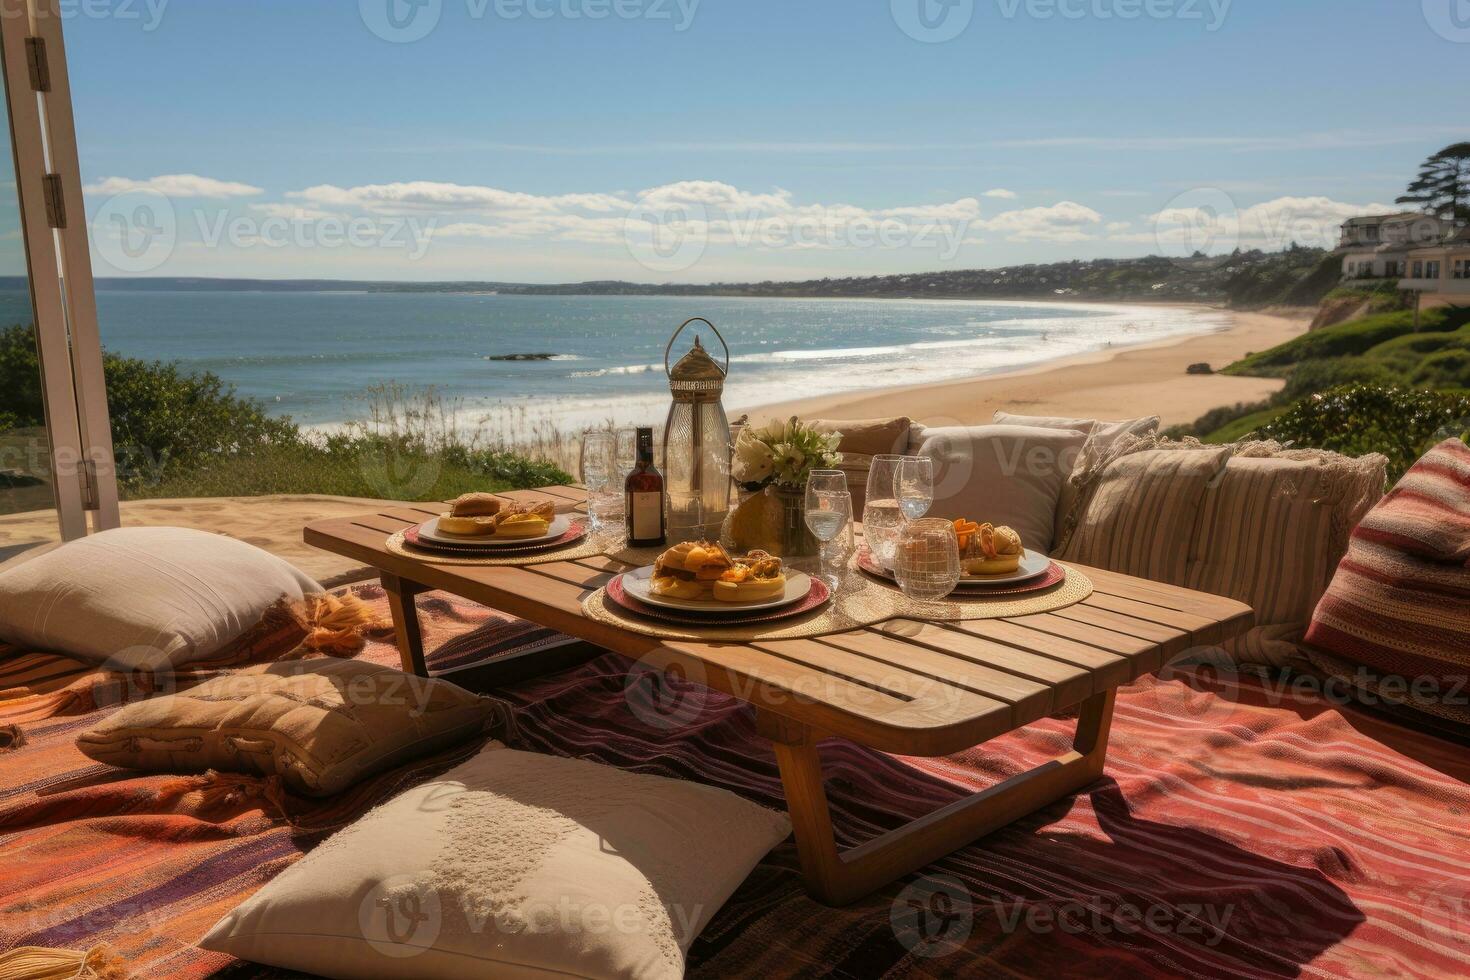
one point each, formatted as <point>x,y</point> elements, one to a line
<point>695,140</point>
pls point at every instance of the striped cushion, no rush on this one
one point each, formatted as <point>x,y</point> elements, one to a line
<point>1400,601</point>
<point>1271,533</point>
<point>1141,516</point>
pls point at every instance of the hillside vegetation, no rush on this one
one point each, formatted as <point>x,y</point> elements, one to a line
<point>1374,384</point>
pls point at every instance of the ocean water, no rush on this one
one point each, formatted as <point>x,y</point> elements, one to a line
<point>312,355</point>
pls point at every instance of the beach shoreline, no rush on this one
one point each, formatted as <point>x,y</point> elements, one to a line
<point>1124,381</point>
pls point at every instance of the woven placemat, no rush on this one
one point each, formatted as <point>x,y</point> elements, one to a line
<point>588,546</point>
<point>861,601</point>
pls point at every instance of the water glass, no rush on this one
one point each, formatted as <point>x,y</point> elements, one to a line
<point>600,475</point>
<point>627,452</point>
<point>828,516</point>
<point>881,514</point>
<point>927,560</point>
<point>913,486</point>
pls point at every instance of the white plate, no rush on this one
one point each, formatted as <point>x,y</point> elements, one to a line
<point>429,531</point>
<point>637,584</point>
<point>1033,563</point>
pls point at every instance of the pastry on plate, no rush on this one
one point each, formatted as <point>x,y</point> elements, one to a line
<point>754,578</point>
<point>990,550</point>
<point>689,570</point>
<point>522,522</point>
<point>475,505</point>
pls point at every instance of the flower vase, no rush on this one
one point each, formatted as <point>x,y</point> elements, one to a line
<point>773,520</point>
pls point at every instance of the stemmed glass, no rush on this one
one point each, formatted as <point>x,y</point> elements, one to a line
<point>600,475</point>
<point>881,516</point>
<point>913,486</point>
<point>828,516</point>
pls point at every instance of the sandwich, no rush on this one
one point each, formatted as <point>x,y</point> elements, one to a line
<point>471,514</point>
<point>689,570</point>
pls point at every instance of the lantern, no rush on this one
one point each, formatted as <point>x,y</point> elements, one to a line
<point>696,447</point>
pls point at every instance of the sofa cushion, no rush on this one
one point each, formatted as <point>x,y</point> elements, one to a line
<point>1271,532</point>
<point>513,864</point>
<point>1002,474</point>
<point>1102,437</point>
<point>320,725</point>
<point>1139,511</point>
<point>1105,432</point>
<point>1399,604</point>
<point>146,597</point>
<point>862,439</point>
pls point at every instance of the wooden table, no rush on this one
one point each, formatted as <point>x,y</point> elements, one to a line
<point>902,686</point>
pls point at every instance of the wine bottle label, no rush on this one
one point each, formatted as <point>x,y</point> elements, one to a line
<point>646,516</point>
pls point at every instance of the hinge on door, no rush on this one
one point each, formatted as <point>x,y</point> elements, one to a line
<point>55,201</point>
<point>39,67</point>
<point>88,476</point>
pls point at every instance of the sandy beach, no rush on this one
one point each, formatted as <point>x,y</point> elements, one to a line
<point>1119,383</point>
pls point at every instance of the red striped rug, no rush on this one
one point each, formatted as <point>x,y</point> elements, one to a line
<point>1243,833</point>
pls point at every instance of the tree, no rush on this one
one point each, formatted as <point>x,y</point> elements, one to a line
<point>1443,185</point>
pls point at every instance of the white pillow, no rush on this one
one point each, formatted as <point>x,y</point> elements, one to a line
<point>513,864</point>
<point>1003,474</point>
<point>1102,433</point>
<point>144,597</point>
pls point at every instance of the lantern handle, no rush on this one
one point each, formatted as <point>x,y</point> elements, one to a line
<point>698,319</point>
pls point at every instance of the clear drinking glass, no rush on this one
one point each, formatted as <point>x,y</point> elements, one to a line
<point>627,452</point>
<point>828,514</point>
<point>913,486</point>
<point>881,516</point>
<point>600,475</point>
<point>927,561</point>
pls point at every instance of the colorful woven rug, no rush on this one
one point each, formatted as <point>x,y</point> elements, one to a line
<point>1243,831</point>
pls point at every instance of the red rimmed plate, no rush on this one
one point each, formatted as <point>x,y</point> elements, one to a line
<point>576,531</point>
<point>1053,574</point>
<point>817,595</point>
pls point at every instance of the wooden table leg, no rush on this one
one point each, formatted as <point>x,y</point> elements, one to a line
<point>841,877</point>
<point>406,622</point>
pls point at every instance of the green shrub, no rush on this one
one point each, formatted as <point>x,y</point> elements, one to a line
<point>1310,377</point>
<point>1448,368</point>
<point>1355,419</point>
<point>20,376</point>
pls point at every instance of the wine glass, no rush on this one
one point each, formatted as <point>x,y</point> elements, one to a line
<point>927,562</point>
<point>828,514</point>
<point>599,474</point>
<point>881,516</point>
<point>913,486</point>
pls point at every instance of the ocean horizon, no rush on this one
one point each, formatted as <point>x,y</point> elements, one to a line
<point>315,355</point>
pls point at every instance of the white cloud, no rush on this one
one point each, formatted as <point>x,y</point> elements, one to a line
<point>173,185</point>
<point>293,212</point>
<point>1065,221</point>
<point>1272,224</point>
<point>1000,192</point>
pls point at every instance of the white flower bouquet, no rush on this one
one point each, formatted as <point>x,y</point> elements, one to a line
<point>783,453</point>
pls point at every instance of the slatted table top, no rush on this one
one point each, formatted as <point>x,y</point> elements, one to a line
<point>903,686</point>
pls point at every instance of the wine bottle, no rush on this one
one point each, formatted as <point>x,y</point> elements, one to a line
<point>644,498</point>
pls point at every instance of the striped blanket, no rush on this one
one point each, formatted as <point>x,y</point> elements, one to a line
<point>1240,831</point>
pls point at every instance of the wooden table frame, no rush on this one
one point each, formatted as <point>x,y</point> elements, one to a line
<point>903,686</point>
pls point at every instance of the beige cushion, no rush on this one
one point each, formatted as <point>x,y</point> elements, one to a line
<point>1103,432</point>
<point>1271,533</point>
<point>1002,474</point>
<point>321,725</point>
<point>1141,513</point>
<point>145,597</point>
<point>862,439</point>
<point>511,865</point>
